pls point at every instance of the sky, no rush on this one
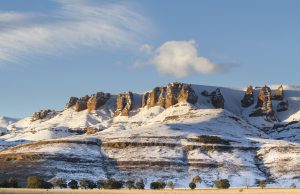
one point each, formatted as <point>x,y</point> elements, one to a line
<point>53,49</point>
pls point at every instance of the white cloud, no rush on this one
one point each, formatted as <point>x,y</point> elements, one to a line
<point>75,24</point>
<point>147,49</point>
<point>181,58</point>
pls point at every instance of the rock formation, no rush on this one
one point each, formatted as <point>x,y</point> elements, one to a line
<point>97,100</point>
<point>217,99</point>
<point>282,106</point>
<point>248,99</point>
<point>72,101</point>
<point>264,105</point>
<point>278,95</point>
<point>124,104</point>
<point>169,95</point>
<point>81,103</point>
<point>40,115</point>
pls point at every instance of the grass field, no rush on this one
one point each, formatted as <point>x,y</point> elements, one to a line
<point>167,191</point>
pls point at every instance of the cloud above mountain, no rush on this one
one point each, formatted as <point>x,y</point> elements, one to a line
<point>72,25</point>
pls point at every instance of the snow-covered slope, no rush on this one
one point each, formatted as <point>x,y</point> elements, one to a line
<point>153,143</point>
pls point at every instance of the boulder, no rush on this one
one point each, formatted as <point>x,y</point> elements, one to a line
<point>282,106</point>
<point>81,103</point>
<point>72,101</point>
<point>278,95</point>
<point>217,99</point>
<point>40,115</point>
<point>124,104</point>
<point>248,98</point>
<point>97,100</point>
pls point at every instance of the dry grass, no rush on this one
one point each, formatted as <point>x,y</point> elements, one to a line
<point>167,191</point>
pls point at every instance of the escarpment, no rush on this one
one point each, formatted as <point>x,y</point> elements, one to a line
<point>124,104</point>
<point>169,95</point>
<point>248,98</point>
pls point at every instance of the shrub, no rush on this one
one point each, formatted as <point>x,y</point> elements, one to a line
<point>61,183</point>
<point>73,184</point>
<point>192,185</point>
<point>262,184</point>
<point>158,185</point>
<point>36,182</point>
<point>197,179</point>
<point>170,185</point>
<point>222,184</point>
<point>140,184</point>
<point>4,184</point>
<point>110,184</point>
<point>130,184</point>
<point>87,184</point>
<point>13,182</point>
<point>293,186</point>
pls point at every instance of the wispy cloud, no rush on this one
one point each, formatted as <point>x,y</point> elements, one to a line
<point>75,24</point>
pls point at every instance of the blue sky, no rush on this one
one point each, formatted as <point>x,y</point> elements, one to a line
<point>53,49</point>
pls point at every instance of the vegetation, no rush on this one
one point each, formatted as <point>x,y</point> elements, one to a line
<point>170,185</point>
<point>157,185</point>
<point>11,183</point>
<point>262,184</point>
<point>87,184</point>
<point>222,184</point>
<point>197,179</point>
<point>130,184</point>
<point>73,184</point>
<point>61,183</point>
<point>110,184</point>
<point>207,139</point>
<point>140,184</point>
<point>36,182</point>
<point>192,185</point>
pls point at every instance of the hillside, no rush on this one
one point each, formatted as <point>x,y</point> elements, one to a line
<point>173,132</point>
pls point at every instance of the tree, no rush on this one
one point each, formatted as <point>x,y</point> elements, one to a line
<point>73,184</point>
<point>140,184</point>
<point>262,184</point>
<point>4,184</point>
<point>87,184</point>
<point>130,184</point>
<point>222,184</point>
<point>13,182</point>
<point>197,179</point>
<point>61,183</point>
<point>100,184</point>
<point>293,186</point>
<point>36,182</point>
<point>170,185</point>
<point>192,185</point>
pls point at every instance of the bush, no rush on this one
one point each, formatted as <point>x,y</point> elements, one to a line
<point>140,184</point>
<point>36,182</point>
<point>4,184</point>
<point>170,185</point>
<point>130,184</point>
<point>87,184</point>
<point>61,183</point>
<point>293,186</point>
<point>192,185</point>
<point>73,184</point>
<point>110,184</point>
<point>222,184</point>
<point>13,182</point>
<point>158,185</point>
<point>262,184</point>
<point>197,179</point>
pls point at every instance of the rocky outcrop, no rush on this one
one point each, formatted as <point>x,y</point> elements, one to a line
<point>81,103</point>
<point>72,101</point>
<point>217,99</point>
<point>278,95</point>
<point>124,104</point>
<point>40,115</point>
<point>282,106</point>
<point>97,100</point>
<point>169,95</point>
<point>264,105</point>
<point>248,98</point>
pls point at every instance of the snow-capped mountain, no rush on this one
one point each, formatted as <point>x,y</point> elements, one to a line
<point>173,132</point>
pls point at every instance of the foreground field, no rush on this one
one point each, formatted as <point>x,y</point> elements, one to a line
<point>175,191</point>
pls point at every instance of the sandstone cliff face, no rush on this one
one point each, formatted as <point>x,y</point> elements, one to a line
<point>97,100</point>
<point>217,99</point>
<point>124,104</point>
<point>72,101</point>
<point>264,105</point>
<point>40,115</point>
<point>169,95</point>
<point>278,95</point>
<point>81,103</point>
<point>248,99</point>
